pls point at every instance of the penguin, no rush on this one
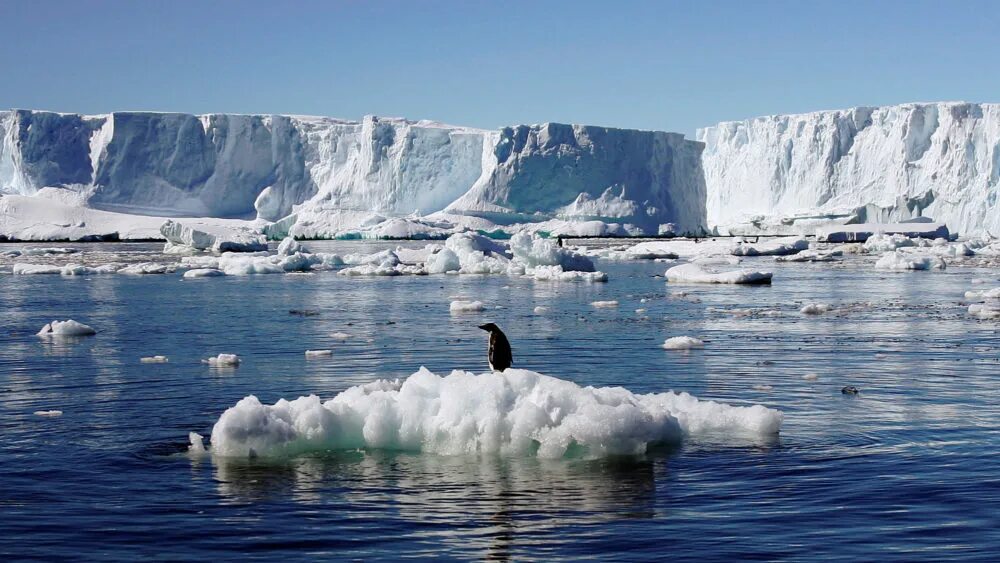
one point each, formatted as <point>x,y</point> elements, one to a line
<point>500,356</point>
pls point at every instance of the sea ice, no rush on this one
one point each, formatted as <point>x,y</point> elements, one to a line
<point>223,360</point>
<point>49,413</point>
<point>203,273</point>
<point>154,360</point>
<point>898,260</point>
<point>517,412</point>
<point>814,309</point>
<point>682,343</point>
<point>776,247</point>
<point>318,353</point>
<point>460,306</point>
<point>66,328</point>
<point>201,235</point>
<point>604,304</point>
<point>693,273</point>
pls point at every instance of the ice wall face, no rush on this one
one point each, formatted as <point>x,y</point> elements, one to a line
<point>309,169</point>
<point>939,160</point>
<point>580,172</point>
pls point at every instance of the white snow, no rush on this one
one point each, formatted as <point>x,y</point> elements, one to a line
<point>517,413</point>
<point>66,328</point>
<point>898,260</point>
<point>682,343</point>
<point>223,360</point>
<point>693,273</point>
<point>460,306</point>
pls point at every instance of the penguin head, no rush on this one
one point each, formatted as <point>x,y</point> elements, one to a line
<point>490,327</point>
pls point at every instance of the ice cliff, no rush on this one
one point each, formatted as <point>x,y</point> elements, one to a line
<point>940,160</point>
<point>313,175</point>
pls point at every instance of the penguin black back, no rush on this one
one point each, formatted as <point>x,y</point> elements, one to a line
<point>500,355</point>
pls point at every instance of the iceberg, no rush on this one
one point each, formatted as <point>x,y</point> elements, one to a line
<point>66,328</point>
<point>513,413</point>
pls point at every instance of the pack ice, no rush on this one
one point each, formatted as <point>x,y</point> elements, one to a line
<point>517,413</point>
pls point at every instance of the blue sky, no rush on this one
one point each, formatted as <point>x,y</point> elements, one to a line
<point>653,65</point>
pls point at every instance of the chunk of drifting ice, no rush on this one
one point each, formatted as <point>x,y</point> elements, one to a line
<point>66,328</point>
<point>881,242</point>
<point>990,308</point>
<point>556,273</point>
<point>197,443</point>
<point>48,413</point>
<point>693,273</point>
<point>776,247</point>
<point>540,310</point>
<point>459,306</point>
<point>810,377</point>
<point>203,273</point>
<point>340,336</point>
<point>290,246</point>
<point>815,309</point>
<point>517,412</point>
<point>154,360</point>
<point>223,360</point>
<point>443,261</point>
<point>682,343</point>
<point>604,304</point>
<point>812,256</point>
<point>532,251</point>
<point>318,353</point>
<point>897,260</point>
<point>763,387</point>
<point>35,269</point>
<point>146,268</point>
<point>214,237</point>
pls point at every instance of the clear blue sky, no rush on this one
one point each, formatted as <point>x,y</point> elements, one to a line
<point>652,65</point>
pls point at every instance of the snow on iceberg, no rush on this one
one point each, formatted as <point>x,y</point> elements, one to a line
<point>517,413</point>
<point>66,328</point>
<point>693,273</point>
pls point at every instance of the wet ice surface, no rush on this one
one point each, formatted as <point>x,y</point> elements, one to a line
<point>905,469</point>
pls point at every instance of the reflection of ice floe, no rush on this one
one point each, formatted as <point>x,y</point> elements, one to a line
<point>693,273</point>
<point>517,412</point>
<point>66,328</point>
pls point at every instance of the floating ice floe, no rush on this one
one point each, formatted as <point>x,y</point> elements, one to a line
<point>203,273</point>
<point>989,308</point>
<point>881,242</point>
<point>810,377</point>
<point>318,353</point>
<point>540,310</point>
<point>66,328</point>
<point>862,232</point>
<point>898,260</point>
<point>290,246</point>
<point>147,268</point>
<point>517,412</point>
<point>815,309</point>
<point>340,336</point>
<point>154,360</point>
<point>812,256</point>
<point>223,360</point>
<point>50,413</point>
<point>14,253</point>
<point>693,273</point>
<point>604,304</point>
<point>682,343</point>
<point>200,235</point>
<point>775,247</point>
<point>556,273</point>
<point>459,306</point>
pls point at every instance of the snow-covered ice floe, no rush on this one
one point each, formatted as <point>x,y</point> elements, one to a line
<point>775,247</point>
<point>693,273</point>
<point>682,343</point>
<point>899,260</point>
<point>460,306</point>
<point>202,235</point>
<point>812,256</point>
<point>312,354</point>
<point>815,309</point>
<point>223,360</point>
<point>154,360</point>
<point>516,413</point>
<point>66,328</point>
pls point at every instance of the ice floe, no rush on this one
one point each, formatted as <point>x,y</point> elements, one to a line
<point>223,360</point>
<point>460,306</point>
<point>517,412</point>
<point>199,235</point>
<point>154,360</point>
<point>203,273</point>
<point>990,306</point>
<point>694,273</point>
<point>66,328</point>
<point>604,304</point>
<point>682,343</point>
<point>899,260</point>
<point>313,354</point>
<point>51,413</point>
<point>815,309</point>
<point>773,247</point>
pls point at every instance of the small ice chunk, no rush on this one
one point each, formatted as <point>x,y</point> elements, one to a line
<point>197,443</point>
<point>810,377</point>
<point>815,309</point>
<point>154,360</point>
<point>318,353</point>
<point>540,310</point>
<point>49,413</point>
<point>682,343</point>
<point>66,328</point>
<point>340,336</point>
<point>763,387</point>
<point>203,273</point>
<point>466,306</point>
<point>290,246</point>
<point>223,360</point>
<point>604,304</point>
<point>640,310</point>
<point>898,260</point>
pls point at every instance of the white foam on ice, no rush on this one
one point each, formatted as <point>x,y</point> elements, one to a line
<point>682,343</point>
<point>66,328</point>
<point>693,273</point>
<point>517,412</point>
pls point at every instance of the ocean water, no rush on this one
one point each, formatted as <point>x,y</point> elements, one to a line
<point>907,470</point>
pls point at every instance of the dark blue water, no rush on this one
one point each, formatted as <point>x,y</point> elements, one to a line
<point>906,470</point>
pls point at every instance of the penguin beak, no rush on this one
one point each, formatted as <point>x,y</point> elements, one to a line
<point>485,327</point>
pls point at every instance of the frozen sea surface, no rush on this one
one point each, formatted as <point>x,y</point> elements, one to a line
<point>908,469</point>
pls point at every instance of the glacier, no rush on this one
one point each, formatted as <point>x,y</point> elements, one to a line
<point>320,177</point>
<point>792,173</point>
